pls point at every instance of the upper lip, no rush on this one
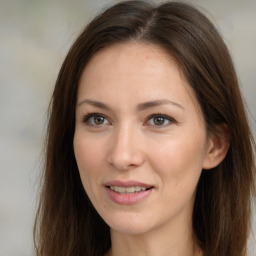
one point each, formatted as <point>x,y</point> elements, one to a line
<point>126,184</point>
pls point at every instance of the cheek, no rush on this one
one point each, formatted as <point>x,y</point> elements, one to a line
<point>89,157</point>
<point>178,166</point>
<point>179,163</point>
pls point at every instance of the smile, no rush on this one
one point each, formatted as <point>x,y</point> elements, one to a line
<point>127,190</point>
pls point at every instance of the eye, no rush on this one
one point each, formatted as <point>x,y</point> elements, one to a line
<point>160,120</point>
<point>95,119</point>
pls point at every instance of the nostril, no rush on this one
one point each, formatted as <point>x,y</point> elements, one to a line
<point>126,159</point>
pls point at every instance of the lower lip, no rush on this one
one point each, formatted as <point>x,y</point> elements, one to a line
<point>128,199</point>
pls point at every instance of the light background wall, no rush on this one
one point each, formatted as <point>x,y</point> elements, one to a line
<point>34,38</point>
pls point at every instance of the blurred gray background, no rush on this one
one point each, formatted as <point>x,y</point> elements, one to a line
<point>35,35</point>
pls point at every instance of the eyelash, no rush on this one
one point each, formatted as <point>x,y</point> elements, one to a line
<point>86,119</point>
<point>165,117</point>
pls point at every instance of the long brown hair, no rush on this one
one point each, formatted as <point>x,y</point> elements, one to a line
<point>66,222</point>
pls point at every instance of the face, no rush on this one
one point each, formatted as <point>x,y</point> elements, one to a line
<point>140,141</point>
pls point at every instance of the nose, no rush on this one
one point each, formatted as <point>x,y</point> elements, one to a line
<point>125,149</point>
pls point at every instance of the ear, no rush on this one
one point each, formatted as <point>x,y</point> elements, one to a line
<point>217,148</point>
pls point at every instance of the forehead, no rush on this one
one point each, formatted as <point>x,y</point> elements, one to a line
<point>134,67</point>
<point>151,57</point>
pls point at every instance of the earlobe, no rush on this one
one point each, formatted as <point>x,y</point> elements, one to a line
<point>218,146</point>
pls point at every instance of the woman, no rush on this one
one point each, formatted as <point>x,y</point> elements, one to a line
<point>149,151</point>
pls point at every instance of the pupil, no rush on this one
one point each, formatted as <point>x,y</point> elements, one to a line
<point>159,120</point>
<point>99,120</point>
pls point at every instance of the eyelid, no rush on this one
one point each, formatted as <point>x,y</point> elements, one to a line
<point>94,114</point>
<point>170,119</point>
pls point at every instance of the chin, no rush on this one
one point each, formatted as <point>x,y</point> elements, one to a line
<point>129,230</point>
<point>129,225</point>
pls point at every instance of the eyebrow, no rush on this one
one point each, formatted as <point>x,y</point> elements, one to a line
<point>94,103</point>
<point>140,107</point>
<point>155,103</point>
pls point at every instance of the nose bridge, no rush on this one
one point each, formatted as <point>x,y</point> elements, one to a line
<point>125,150</point>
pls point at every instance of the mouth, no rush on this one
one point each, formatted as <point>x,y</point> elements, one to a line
<point>128,190</point>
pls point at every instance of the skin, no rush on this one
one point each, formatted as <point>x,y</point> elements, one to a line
<point>128,144</point>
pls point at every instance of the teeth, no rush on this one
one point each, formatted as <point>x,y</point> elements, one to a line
<point>129,190</point>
